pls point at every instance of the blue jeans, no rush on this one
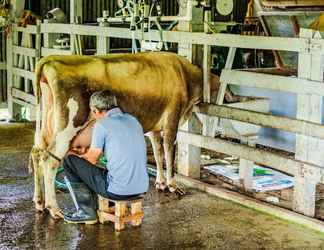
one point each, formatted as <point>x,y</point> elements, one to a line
<point>79,170</point>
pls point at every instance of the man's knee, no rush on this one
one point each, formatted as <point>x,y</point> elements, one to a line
<point>68,161</point>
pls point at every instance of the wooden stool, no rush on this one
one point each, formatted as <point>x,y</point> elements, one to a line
<point>122,211</point>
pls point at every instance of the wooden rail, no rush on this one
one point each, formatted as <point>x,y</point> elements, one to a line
<point>281,163</point>
<point>225,40</point>
<point>273,82</point>
<point>263,119</point>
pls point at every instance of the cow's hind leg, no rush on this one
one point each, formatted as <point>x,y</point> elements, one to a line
<point>156,141</point>
<point>50,169</point>
<point>169,135</point>
<point>38,180</point>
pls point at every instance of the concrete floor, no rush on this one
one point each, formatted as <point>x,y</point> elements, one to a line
<point>197,221</point>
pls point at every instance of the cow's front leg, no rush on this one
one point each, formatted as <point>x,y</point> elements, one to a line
<point>38,180</point>
<point>156,141</point>
<point>50,169</point>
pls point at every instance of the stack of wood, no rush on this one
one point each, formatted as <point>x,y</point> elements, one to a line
<point>292,3</point>
<point>27,17</point>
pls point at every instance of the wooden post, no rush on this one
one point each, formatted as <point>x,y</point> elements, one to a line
<point>103,43</point>
<point>75,18</point>
<point>246,167</point>
<point>49,38</point>
<point>36,113</point>
<point>9,75</point>
<point>308,149</point>
<point>12,80</point>
<point>188,155</point>
<point>17,6</point>
<point>76,9</point>
<point>207,121</point>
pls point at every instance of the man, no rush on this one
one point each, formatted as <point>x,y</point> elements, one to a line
<point>119,136</point>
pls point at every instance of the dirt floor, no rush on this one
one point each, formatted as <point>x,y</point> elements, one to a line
<point>197,221</point>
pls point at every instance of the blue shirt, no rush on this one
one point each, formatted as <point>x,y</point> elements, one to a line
<point>121,138</point>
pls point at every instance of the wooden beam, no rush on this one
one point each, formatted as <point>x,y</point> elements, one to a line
<point>263,119</point>
<point>252,203</point>
<point>290,12</point>
<point>18,94</point>
<point>292,3</point>
<point>23,103</point>
<point>24,51</point>
<point>49,51</point>
<point>273,160</point>
<point>32,29</point>
<point>273,82</point>
<point>23,73</point>
<point>219,39</point>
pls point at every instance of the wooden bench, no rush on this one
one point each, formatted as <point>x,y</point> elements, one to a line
<point>122,212</point>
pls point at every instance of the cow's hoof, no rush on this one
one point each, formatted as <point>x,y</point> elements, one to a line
<point>176,190</point>
<point>56,214</point>
<point>39,206</point>
<point>160,186</point>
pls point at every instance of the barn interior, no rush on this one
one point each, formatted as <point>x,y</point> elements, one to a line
<point>249,171</point>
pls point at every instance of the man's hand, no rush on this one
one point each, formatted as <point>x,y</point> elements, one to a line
<point>78,151</point>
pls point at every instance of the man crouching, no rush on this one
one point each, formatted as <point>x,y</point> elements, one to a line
<point>119,136</point>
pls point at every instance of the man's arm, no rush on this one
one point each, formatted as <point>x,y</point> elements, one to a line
<point>92,155</point>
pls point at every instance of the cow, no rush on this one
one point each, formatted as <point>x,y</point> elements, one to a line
<point>158,88</point>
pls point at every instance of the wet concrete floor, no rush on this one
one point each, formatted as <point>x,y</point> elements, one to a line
<point>197,221</point>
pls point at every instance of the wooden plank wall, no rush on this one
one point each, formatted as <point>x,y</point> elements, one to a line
<point>3,73</point>
<point>92,9</point>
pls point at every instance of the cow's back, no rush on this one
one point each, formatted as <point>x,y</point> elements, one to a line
<point>149,86</point>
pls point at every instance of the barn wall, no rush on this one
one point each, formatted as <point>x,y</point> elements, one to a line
<point>93,9</point>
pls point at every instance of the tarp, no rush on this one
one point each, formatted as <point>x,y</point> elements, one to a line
<point>264,179</point>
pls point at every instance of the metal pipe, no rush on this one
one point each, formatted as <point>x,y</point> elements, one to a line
<point>68,185</point>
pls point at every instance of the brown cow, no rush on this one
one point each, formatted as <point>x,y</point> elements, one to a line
<point>159,89</point>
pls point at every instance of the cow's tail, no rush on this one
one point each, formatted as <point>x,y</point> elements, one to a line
<point>39,69</point>
<point>30,164</point>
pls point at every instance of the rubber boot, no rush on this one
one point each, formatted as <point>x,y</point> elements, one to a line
<point>87,203</point>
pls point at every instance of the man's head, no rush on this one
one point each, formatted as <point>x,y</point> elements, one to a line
<point>101,102</point>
